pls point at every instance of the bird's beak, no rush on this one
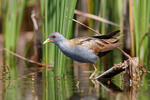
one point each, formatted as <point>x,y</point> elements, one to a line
<point>46,41</point>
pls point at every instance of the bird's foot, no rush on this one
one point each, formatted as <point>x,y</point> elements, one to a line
<point>93,75</point>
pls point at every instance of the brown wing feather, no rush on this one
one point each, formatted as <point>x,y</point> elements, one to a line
<point>78,41</point>
<point>97,45</point>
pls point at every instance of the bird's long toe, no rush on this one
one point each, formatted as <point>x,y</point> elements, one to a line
<point>93,75</point>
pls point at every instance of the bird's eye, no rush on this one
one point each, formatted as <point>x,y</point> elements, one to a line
<point>53,36</point>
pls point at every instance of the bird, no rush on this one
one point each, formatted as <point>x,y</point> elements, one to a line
<point>86,49</point>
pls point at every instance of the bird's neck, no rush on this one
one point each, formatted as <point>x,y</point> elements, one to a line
<point>63,46</point>
<point>61,42</point>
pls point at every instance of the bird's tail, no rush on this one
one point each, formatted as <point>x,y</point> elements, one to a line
<point>107,36</point>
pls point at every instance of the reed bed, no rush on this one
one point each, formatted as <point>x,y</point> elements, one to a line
<point>12,13</point>
<point>12,18</point>
<point>56,17</point>
<point>141,19</point>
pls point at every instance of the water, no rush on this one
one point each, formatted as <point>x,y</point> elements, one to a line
<point>29,83</point>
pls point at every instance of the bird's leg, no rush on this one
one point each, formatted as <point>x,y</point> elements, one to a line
<point>93,74</point>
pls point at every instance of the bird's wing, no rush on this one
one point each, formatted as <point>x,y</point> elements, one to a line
<point>97,45</point>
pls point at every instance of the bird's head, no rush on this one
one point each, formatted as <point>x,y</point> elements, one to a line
<point>54,38</point>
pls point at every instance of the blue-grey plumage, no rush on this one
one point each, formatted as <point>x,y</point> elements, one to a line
<point>78,53</point>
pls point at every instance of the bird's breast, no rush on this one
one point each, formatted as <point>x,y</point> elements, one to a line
<point>78,53</point>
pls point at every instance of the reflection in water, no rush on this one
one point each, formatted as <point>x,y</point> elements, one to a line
<point>30,85</point>
<point>110,86</point>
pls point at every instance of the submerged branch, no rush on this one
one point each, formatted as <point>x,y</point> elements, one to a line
<point>131,63</point>
<point>25,59</point>
<point>116,69</point>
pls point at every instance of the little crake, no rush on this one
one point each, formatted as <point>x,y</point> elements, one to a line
<point>85,49</point>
